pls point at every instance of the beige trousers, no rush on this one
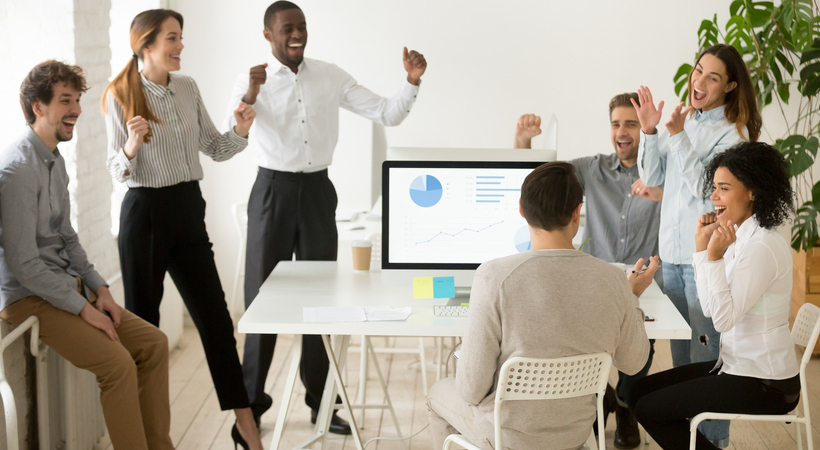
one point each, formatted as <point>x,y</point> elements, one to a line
<point>132,374</point>
<point>449,414</point>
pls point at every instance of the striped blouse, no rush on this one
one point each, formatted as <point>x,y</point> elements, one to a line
<point>185,130</point>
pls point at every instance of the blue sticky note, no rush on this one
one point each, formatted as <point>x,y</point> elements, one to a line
<point>444,287</point>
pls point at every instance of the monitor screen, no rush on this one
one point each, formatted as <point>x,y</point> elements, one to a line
<point>451,215</point>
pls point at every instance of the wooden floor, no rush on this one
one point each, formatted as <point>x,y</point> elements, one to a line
<point>197,422</point>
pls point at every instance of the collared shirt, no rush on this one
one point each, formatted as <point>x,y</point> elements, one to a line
<point>747,294</point>
<point>623,227</point>
<point>184,130</point>
<point>297,114</point>
<point>678,162</point>
<point>40,253</point>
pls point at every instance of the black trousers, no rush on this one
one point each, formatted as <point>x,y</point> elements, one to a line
<point>664,402</point>
<point>287,213</point>
<point>163,230</point>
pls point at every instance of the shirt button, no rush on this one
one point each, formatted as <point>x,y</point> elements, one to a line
<point>303,121</point>
<point>676,228</point>
<point>622,239</point>
<point>628,195</point>
<point>309,163</point>
<point>623,217</point>
<point>300,100</point>
<point>305,142</point>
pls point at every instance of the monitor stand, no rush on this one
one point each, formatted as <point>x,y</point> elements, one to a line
<point>462,296</point>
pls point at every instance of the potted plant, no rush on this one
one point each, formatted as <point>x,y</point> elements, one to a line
<point>781,46</point>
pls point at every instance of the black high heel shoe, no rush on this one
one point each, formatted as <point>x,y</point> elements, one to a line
<point>238,440</point>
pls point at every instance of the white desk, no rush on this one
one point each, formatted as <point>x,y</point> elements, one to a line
<point>297,284</point>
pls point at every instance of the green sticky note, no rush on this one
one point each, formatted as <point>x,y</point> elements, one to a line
<point>444,287</point>
<point>422,287</point>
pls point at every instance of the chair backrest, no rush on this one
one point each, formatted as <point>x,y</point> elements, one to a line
<point>806,329</point>
<point>376,250</point>
<point>545,379</point>
<point>240,219</point>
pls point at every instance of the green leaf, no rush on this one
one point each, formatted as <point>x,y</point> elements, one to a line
<point>815,194</point>
<point>708,33</point>
<point>737,35</point>
<point>810,73</point>
<point>682,81</point>
<point>787,65</point>
<point>804,230</point>
<point>757,15</point>
<point>799,152</point>
<point>783,92</point>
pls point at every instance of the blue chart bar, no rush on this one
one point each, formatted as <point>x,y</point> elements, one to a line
<point>489,195</point>
<point>488,201</point>
<point>485,189</point>
<point>488,182</point>
<point>494,176</point>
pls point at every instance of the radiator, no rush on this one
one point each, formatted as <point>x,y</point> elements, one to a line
<point>75,413</point>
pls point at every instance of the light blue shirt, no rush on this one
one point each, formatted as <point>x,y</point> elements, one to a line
<point>679,163</point>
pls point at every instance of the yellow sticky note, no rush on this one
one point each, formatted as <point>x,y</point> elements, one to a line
<point>422,287</point>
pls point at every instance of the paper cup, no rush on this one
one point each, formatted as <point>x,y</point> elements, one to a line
<point>361,254</point>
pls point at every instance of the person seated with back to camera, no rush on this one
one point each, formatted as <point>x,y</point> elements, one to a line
<point>743,271</point>
<point>549,302</point>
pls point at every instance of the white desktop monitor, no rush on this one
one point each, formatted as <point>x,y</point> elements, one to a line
<point>445,218</point>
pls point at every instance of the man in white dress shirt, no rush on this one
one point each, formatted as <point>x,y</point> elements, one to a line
<point>292,204</point>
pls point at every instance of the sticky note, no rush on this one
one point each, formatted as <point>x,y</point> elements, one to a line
<point>444,287</point>
<point>434,287</point>
<point>422,287</point>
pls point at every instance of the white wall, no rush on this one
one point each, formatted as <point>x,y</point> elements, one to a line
<point>489,62</point>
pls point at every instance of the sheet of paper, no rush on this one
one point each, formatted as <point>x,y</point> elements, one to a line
<point>337,314</point>
<point>422,287</point>
<point>444,287</point>
<point>383,313</point>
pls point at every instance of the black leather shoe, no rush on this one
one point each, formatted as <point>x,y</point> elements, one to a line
<point>610,401</point>
<point>337,424</point>
<point>627,434</point>
<point>258,409</point>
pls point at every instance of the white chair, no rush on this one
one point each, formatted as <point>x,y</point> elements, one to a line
<point>804,333</point>
<point>547,379</point>
<point>240,219</point>
<point>375,259</point>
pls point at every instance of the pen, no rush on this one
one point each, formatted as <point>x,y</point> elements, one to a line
<point>636,272</point>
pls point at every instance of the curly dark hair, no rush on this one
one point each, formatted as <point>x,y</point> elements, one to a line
<point>762,170</point>
<point>39,84</point>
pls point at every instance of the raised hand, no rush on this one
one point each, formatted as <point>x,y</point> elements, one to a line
<point>648,115</point>
<point>654,194</point>
<point>257,78</point>
<point>707,224</point>
<point>675,124</point>
<point>415,65</point>
<point>722,238</point>
<point>244,116</point>
<point>137,129</point>
<point>527,127</point>
<point>640,279</point>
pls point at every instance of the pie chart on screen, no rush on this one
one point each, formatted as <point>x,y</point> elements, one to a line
<point>522,239</point>
<point>426,191</point>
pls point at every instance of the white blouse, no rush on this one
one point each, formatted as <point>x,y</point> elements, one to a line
<point>748,295</point>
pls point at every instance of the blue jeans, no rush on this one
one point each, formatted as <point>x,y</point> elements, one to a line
<point>679,286</point>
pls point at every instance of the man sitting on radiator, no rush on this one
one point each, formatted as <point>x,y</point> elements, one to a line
<point>45,272</point>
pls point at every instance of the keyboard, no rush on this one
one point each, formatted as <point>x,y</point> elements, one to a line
<point>450,311</point>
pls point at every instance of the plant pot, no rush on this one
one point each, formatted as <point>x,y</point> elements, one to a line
<point>806,284</point>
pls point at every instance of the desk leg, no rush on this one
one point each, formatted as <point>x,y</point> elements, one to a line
<point>290,383</point>
<point>384,389</point>
<point>334,367</point>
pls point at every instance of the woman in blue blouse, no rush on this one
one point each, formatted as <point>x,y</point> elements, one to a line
<point>722,111</point>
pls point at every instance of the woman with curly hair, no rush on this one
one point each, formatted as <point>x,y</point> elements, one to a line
<point>743,271</point>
